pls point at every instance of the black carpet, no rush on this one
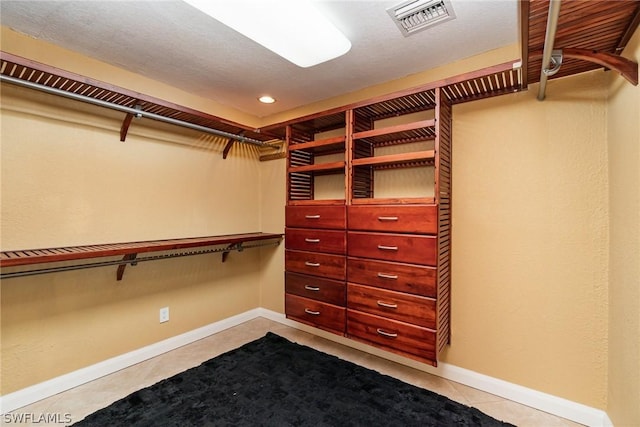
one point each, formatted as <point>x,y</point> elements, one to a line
<point>274,382</point>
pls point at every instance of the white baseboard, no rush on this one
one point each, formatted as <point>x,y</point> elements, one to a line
<point>545,402</point>
<point>26,396</point>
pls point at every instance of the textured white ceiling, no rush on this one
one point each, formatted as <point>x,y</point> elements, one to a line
<point>174,43</point>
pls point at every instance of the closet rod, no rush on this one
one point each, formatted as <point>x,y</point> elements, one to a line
<point>549,40</point>
<point>136,112</point>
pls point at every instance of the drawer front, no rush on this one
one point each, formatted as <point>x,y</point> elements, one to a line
<point>392,335</point>
<point>408,308</point>
<point>326,290</point>
<point>316,217</point>
<point>315,240</point>
<point>315,313</point>
<point>414,279</point>
<point>411,249</point>
<point>419,219</point>
<point>316,264</point>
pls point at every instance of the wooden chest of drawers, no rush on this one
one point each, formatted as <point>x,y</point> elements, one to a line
<point>414,309</point>
<point>413,279</point>
<point>315,313</point>
<point>328,217</point>
<point>416,219</point>
<point>392,278</point>
<point>316,266</point>
<point>318,288</point>
<point>406,248</point>
<point>398,337</point>
<point>316,240</point>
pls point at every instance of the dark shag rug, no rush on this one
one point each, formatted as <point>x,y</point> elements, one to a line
<point>274,382</point>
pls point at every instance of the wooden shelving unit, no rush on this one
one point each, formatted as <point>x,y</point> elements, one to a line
<point>373,265</point>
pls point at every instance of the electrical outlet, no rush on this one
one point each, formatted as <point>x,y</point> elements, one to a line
<point>164,314</point>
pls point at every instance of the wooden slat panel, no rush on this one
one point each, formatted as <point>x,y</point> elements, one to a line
<point>604,26</point>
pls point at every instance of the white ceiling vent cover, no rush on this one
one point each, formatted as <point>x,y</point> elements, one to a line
<point>416,15</point>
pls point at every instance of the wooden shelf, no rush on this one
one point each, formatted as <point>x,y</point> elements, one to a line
<point>319,202</point>
<point>129,251</point>
<point>333,167</point>
<point>394,201</point>
<point>394,129</point>
<point>396,159</point>
<point>322,146</point>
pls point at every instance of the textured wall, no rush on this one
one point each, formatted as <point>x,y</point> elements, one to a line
<point>624,280</point>
<point>530,239</point>
<point>68,180</point>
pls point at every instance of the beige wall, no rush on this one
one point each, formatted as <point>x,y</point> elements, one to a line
<point>624,279</point>
<point>272,202</point>
<point>68,180</point>
<point>530,243</point>
<point>530,250</point>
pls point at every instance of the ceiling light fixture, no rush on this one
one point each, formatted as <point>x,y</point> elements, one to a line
<point>266,99</point>
<point>293,29</point>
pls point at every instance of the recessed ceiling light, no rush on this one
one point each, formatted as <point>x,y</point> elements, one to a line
<point>266,99</point>
<point>293,29</point>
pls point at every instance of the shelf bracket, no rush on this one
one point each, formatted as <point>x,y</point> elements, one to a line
<point>231,247</point>
<point>227,147</point>
<point>124,129</point>
<point>626,67</point>
<point>128,258</point>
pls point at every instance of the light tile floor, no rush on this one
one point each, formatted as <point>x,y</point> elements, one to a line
<point>88,398</point>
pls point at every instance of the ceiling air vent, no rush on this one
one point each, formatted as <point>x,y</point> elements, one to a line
<point>416,15</point>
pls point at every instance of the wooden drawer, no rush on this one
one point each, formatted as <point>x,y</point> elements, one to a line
<point>316,217</point>
<point>326,290</point>
<point>316,264</point>
<point>411,249</point>
<point>315,313</point>
<point>316,240</point>
<point>392,335</point>
<point>419,219</point>
<point>414,279</point>
<point>408,308</point>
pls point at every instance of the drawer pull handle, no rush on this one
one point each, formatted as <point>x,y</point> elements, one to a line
<point>312,240</point>
<point>311,312</point>
<point>312,288</point>
<point>312,216</point>
<point>387,304</point>
<point>387,218</point>
<point>312,264</point>
<point>386,334</point>
<point>387,248</point>
<point>388,276</point>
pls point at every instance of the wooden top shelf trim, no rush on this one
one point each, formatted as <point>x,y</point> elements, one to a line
<point>487,82</point>
<point>37,256</point>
